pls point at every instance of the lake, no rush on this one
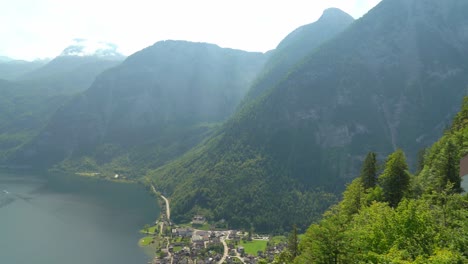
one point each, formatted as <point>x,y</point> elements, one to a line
<point>71,219</point>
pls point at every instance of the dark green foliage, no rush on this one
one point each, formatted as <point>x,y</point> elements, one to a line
<point>293,243</point>
<point>395,180</point>
<point>431,227</point>
<point>448,166</point>
<point>441,164</point>
<point>369,171</point>
<point>420,160</point>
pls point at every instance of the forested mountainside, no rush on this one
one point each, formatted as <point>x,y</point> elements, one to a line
<point>295,48</point>
<point>22,113</point>
<point>393,216</point>
<point>156,105</point>
<point>37,89</point>
<point>393,79</point>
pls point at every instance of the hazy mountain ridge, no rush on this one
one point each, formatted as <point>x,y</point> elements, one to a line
<point>393,79</point>
<point>156,105</point>
<point>296,46</point>
<point>13,69</point>
<point>37,89</point>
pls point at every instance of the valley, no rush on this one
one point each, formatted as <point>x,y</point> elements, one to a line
<point>345,142</point>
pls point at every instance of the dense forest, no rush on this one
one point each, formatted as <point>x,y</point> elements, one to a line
<point>388,215</point>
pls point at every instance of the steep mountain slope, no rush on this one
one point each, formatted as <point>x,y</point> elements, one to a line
<point>41,87</point>
<point>394,78</point>
<point>22,113</point>
<point>296,46</point>
<point>13,69</point>
<point>428,225</point>
<point>157,104</point>
<point>74,70</point>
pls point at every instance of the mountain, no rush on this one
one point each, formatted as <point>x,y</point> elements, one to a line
<point>37,89</point>
<point>23,112</point>
<point>157,104</point>
<point>75,69</point>
<point>393,79</point>
<point>13,69</point>
<point>296,46</point>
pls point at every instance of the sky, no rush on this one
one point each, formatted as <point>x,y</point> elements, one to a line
<point>31,29</point>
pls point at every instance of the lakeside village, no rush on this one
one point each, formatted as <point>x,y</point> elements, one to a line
<point>200,242</point>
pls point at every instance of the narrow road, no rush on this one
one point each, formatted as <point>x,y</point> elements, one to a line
<point>226,249</point>
<point>168,208</point>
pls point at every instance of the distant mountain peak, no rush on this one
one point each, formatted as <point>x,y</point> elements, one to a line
<point>334,13</point>
<point>85,48</point>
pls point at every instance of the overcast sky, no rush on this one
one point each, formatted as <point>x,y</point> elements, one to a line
<point>43,28</point>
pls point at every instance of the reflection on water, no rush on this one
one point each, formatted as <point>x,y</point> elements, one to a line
<point>71,220</point>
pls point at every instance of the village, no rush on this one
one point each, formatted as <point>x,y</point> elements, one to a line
<point>203,243</point>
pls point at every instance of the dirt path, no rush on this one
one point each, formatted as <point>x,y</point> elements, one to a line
<point>168,208</point>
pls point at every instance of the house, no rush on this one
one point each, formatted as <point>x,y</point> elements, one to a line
<point>198,220</point>
<point>196,238</point>
<point>199,244</point>
<point>183,232</point>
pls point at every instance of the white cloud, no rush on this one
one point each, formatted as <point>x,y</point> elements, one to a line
<point>43,28</point>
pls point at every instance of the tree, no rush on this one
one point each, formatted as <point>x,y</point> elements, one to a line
<point>354,197</point>
<point>327,241</point>
<point>395,179</point>
<point>293,243</point>
<point>369,171</point>
<point>447,167</point>
<point>421,157</point>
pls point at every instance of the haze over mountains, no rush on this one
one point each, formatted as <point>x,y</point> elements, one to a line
<point>35,90</point>
<point>262,140</point>
<point>296,46</point>
<point>153,107</point>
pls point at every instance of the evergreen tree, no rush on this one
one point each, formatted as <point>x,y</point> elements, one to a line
<point>447,167</point>
<point>420,164</point>
<point>395,179</point>
<point>354,198</point>
<point>293,243</point>
<point>369,171</point>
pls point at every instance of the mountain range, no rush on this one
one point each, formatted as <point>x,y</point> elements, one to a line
<point>264,141</point>
<point>33,91</point>
<point>156,105</point>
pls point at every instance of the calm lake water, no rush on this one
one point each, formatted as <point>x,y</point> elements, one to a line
<point>72,220</point>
